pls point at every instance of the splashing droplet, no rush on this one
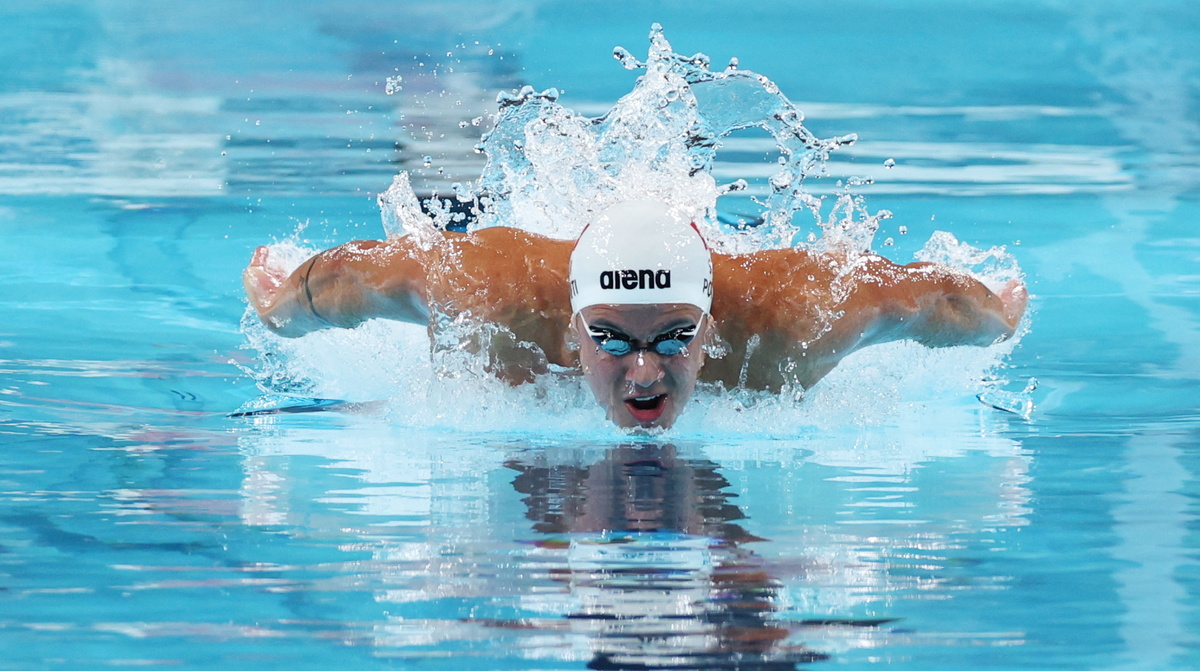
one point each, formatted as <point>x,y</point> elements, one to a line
<point>627,59</point>
<point>890,163</point>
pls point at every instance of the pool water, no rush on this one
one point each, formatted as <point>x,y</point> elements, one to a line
<point>888,519</point>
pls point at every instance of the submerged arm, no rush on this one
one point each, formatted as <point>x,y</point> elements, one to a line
<point>340,287</point>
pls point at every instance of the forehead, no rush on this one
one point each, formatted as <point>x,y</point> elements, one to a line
<point>642,319</point>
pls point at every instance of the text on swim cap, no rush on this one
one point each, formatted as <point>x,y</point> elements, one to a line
<point>635,279</point>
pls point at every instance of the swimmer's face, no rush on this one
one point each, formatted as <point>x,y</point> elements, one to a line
<point>645,387</point>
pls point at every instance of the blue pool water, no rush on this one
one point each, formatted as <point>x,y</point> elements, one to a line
<point>888,519</point>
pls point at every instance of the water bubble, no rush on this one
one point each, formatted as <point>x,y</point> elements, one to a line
<point>890,163</point>
<point>903,230</point>
<point>427,161</point>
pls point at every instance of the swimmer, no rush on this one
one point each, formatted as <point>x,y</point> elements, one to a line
<point>636,304</point>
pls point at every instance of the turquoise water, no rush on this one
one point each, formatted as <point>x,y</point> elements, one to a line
<point>890,518</point>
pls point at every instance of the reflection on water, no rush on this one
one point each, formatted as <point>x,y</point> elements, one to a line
<point>648,545</point>
<point>342,541</point>
<point>638,555</point>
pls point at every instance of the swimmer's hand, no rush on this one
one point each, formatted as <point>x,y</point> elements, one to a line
<point>939,306</point>
<point>278,296</point>
<point>339,288</point>
<point>1015,298</point>
<point>262,281</point>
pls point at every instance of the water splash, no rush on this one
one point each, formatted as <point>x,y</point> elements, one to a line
<point>994,267</point>
<point>1019,403</point>
<point>548,171</point>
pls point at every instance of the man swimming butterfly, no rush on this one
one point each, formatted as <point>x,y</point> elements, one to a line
<point>636,303</point>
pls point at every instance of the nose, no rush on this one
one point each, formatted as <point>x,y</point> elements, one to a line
<point>644,371</point>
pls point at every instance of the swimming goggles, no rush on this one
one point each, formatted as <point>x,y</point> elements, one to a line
<point>667,344</point>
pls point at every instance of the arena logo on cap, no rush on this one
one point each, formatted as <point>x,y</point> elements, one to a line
<point>635,279</point>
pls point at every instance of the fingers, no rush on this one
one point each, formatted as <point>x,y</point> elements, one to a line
<point>260,280</point>
<point>1015,297</point>
<point>261,267</point>
<point>261,254</point>
<point>1014,292</point>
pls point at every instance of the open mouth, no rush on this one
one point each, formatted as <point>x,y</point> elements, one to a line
<point>647,408</point>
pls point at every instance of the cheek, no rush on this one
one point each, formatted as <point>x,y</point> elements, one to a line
<point>685,371</point>
<point>599,372</point>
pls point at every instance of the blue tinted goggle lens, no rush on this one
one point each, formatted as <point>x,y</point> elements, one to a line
<point>668,344</point>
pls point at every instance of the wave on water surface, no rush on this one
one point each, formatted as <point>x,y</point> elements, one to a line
<point>548,171</point>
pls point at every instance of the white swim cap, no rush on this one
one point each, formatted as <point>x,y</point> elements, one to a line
<point>641,253</point>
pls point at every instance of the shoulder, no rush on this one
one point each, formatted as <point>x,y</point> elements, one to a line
<point>509,235</point>
<point>770,271</point>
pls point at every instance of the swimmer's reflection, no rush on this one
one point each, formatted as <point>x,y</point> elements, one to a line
<point>654,559</point>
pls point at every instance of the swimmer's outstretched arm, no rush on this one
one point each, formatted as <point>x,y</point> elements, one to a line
<point>938,306</point>
<point>340,287</point>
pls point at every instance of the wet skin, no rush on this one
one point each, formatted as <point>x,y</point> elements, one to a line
<point>787,316</point>
<point>643,388</point>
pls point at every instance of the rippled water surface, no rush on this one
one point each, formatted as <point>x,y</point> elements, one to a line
<point>890,518</point>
